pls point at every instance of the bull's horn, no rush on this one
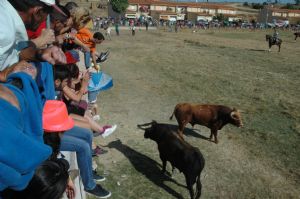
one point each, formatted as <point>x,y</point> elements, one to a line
<point>146,124</point>
<point>141,127</point>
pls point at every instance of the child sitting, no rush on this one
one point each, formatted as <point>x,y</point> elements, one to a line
<point>63,77</point>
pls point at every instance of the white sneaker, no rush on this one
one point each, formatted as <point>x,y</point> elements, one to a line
<point>109,131</point>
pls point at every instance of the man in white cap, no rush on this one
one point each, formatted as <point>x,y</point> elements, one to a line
<point>15,17</point>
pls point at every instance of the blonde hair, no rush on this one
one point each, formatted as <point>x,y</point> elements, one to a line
<point>81,16</point>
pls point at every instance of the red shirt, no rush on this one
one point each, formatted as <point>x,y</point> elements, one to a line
<point>37,33</point>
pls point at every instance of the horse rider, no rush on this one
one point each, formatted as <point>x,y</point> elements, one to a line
<point>275,35</point>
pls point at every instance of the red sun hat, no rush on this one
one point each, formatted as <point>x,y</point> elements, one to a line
<point>55,117</point>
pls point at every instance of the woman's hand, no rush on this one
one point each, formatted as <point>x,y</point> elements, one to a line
<point>70,191</point>
<point>85,82</point>
<point>86,76</point>
<point>47,37</point>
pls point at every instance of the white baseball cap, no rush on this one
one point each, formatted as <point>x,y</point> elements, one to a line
<point>52,3</point>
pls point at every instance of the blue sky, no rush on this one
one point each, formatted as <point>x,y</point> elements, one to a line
<point>249,1</point>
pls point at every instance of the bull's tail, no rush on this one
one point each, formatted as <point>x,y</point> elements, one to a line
<point>171,117</point>
<point>198,187</point>
<point>198,182</point>
<point>176,107</point>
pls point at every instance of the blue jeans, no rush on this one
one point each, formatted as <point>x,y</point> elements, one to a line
<point>80,140</point>
<point>87,59</point>
<point>92,96</point>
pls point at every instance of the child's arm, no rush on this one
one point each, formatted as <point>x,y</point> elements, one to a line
<point>76,96</point>
<point>78,42</point>
<point>93,55</point>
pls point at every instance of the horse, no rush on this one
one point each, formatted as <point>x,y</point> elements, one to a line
<point>272,41</point>
<point>297,34</point>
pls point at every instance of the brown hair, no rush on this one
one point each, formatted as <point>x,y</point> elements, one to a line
<point>81,16</point>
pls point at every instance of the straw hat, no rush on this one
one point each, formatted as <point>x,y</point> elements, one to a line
<point>55,117</point>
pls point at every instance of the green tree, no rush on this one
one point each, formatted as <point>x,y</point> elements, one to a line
<point>257,6</point>
<point>220,17</point>
<point>119,6</point>
<point>297,2</point>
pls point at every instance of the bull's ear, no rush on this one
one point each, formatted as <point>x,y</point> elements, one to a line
<point>154,122</point>
<point>234,109</point>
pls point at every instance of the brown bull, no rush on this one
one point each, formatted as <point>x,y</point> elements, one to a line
<point>211,116</point>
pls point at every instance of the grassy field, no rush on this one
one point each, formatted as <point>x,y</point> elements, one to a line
<point>155,70</point>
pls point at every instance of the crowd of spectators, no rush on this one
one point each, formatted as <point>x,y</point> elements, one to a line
<point>43,105</point>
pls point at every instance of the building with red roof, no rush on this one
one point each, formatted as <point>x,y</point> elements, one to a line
<point>159,9</point>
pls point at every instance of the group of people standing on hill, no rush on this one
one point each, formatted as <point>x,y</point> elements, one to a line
<point>42,111</point>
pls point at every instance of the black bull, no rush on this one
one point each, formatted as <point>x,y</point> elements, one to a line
<point>179,153</point>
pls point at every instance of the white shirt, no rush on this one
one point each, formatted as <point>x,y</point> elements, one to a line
<point>108,30</point>
<point>12,31</point>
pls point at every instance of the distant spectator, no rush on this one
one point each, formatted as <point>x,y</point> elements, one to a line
<point>117,28</point>
<point>146,24</point>
<point>133,30</point>
<point>108,31</point>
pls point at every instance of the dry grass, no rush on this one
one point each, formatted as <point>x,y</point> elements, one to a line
<point>156,70</point>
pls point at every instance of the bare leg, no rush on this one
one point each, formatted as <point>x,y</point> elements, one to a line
<point>94,125</point>
<point>87,122</point>
<point>81,121</point>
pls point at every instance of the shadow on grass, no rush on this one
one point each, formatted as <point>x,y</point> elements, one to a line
<point>258,50</point>
<point>147,166</point>
<point>187,131</point>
